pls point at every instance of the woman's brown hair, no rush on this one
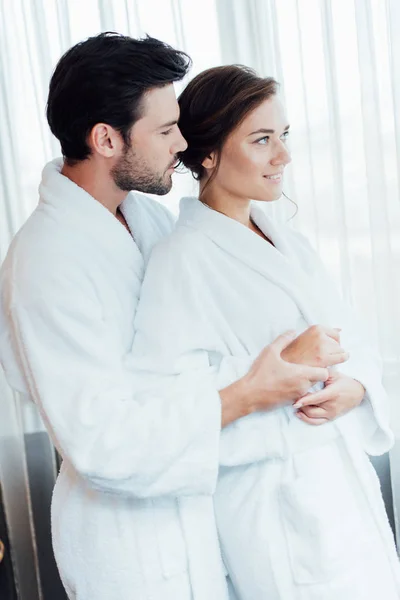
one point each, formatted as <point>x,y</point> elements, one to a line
<point>212,105</point>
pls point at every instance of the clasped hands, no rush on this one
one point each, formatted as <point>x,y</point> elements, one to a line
<point>320,346</point>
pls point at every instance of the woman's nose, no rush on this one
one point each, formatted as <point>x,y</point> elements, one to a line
<point>282,157</point>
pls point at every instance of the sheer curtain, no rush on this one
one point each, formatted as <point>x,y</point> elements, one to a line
<point>338,62</point>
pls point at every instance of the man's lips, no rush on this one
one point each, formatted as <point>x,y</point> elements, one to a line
<point>173,165</point>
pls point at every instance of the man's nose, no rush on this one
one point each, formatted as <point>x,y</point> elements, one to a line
<point>181,143</point>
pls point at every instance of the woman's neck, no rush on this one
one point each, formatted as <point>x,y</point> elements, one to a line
<point>226,203</point>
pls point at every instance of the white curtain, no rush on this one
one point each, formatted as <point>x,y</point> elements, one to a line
<point>338,62</point>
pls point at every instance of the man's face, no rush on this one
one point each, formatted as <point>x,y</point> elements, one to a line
<point>147,164</point>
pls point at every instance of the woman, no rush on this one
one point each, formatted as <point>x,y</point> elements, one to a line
<point>298,506</point>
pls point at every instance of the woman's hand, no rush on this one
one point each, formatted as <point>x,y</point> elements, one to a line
<point>340,395</point>
<point>318,346</point>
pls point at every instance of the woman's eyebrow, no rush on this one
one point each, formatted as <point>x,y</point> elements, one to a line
<point>268,130</point>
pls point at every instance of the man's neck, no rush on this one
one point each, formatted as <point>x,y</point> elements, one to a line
<point>96,182</point>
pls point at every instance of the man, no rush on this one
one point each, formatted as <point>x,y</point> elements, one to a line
<point>69,288</point>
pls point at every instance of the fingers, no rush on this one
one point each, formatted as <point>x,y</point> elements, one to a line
<point>315,398</point>
<point>283,341</point>
<point>315,412</point>
<point>337,358</point>
<point>309,420</point>
<point>316,374</point>
<point>334,333</point>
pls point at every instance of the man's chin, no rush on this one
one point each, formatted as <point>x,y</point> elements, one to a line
<point>167,186</point>
<point>157,189</point>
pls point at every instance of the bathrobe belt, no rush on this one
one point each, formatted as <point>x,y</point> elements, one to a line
<point>291,436</point>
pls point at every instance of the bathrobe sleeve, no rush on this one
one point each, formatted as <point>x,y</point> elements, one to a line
<point>371,418</point>
<point>177,333</point>
<point>164,444</point>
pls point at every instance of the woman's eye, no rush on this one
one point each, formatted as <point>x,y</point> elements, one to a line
<point>285,136</point>
<point>167,132</point>
<point>264,140</point>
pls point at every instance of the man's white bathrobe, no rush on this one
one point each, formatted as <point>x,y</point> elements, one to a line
<point>69,290</point>
<point>299,509</point>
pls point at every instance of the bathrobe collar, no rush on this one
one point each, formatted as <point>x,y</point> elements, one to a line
<point>280,262</point>
<point>79,208</point>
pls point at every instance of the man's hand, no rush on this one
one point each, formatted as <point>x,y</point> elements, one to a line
<point>318,346</point>
<point>341,394</point>
<point>273,381</point>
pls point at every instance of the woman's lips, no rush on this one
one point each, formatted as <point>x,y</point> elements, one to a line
<point>274,178</point>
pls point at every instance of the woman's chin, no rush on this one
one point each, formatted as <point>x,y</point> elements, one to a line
<point>271,197</point>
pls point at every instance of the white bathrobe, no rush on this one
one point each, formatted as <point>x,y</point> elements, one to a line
<point>69,290</point>
<point>299,509</point>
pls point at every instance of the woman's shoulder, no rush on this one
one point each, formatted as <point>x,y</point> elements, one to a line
<point>183,242</point>
<point>175,260</point>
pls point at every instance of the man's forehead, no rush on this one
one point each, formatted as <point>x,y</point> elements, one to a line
<point>160,104</point>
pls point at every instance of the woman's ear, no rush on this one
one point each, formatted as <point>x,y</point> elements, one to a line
<point>210,162</point>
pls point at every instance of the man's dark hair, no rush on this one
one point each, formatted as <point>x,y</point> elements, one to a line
<point>103,80</point>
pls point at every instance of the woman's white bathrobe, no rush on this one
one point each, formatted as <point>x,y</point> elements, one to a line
<point>69,290</point>
<point>298,508</point>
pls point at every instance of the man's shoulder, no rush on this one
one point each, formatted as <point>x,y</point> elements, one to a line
<point>44,234</point>
<point>40,252</point>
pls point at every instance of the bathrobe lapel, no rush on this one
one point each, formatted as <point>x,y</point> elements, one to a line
<point>280,263</point>
<point>60,194</point>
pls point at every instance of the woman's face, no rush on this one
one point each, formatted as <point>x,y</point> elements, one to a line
<point>255,155</point>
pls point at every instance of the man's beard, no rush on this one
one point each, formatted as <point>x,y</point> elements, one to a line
<point>132,173</point>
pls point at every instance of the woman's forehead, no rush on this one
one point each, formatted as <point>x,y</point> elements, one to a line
<point>270,114</point>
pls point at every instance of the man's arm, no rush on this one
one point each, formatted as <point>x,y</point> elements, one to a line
<point>119,439</point>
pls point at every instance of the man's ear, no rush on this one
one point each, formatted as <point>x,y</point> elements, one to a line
<point>210,162</point>
<point>104,140</point>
